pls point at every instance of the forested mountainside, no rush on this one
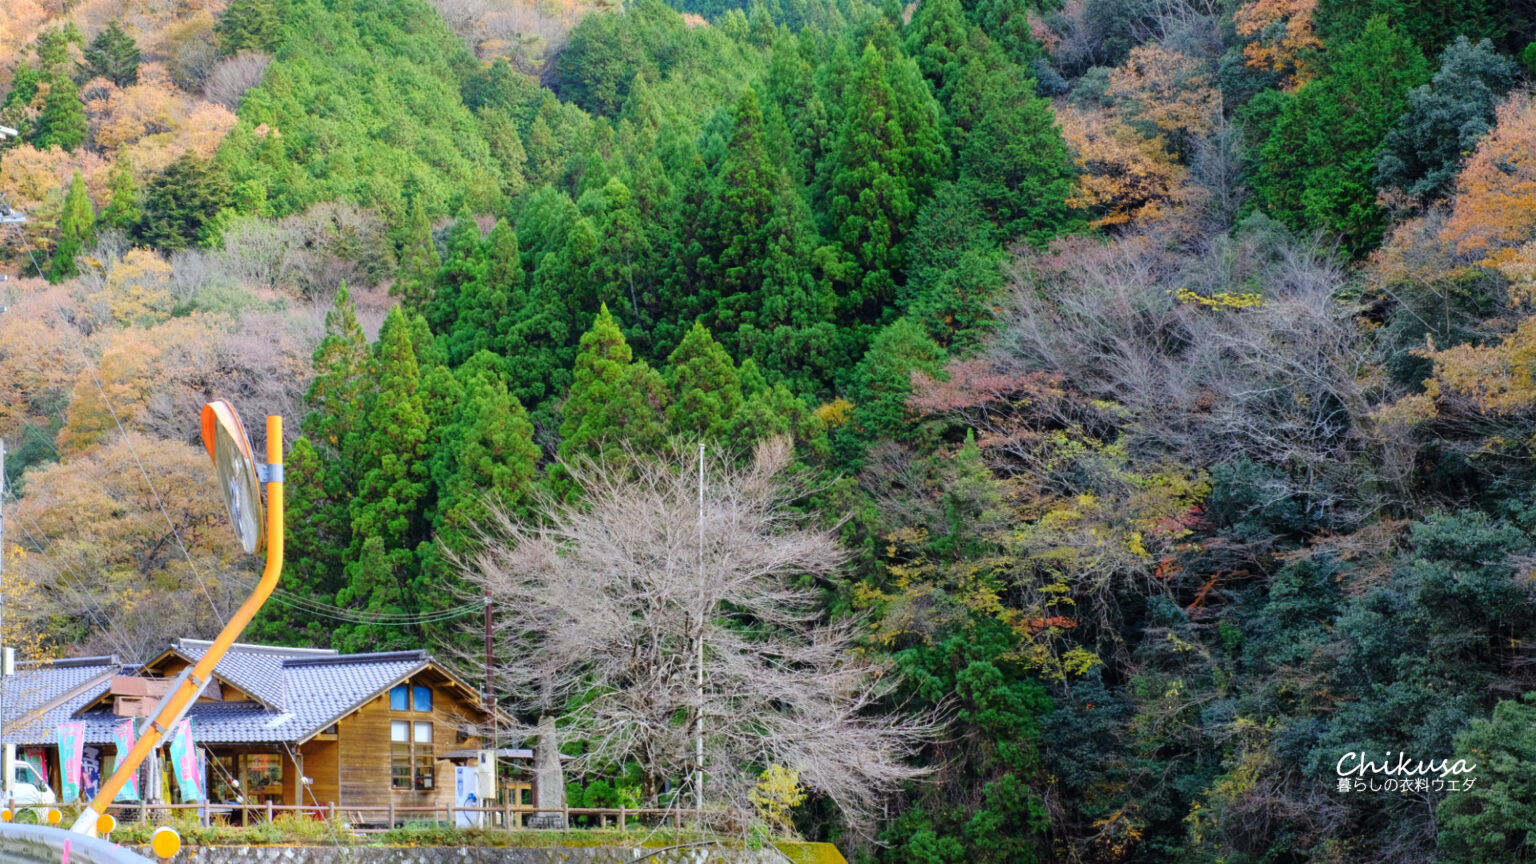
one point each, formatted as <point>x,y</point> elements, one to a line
<point>1163,368</point>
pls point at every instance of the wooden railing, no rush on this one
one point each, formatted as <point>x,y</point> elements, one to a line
<point>375,819</point>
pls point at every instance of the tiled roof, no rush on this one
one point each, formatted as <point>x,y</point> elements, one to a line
<point>37,684</point>
<point>256,669</point>
<point>300,692</point>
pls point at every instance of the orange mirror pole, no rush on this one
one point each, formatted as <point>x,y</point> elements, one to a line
<point>175,703</point>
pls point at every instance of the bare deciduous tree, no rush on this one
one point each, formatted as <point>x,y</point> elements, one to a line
<point>234,76</point>
<point>609,598</point>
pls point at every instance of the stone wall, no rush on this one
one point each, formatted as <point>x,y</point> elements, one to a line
<point>820,852</point>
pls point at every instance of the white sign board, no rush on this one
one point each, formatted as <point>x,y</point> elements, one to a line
<point>464,795</point>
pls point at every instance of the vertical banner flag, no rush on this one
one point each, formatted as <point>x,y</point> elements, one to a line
<point>123,736</point>
<point>90,772</point>
<point>184,761</point>
<point>71,746</point>
<point>37,760</point>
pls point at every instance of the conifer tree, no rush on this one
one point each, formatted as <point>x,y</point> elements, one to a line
<point>419,263</point>
<point>311,556</point>
<point>465,266</point>
<point>122,210</point>
<point>757,239</point>
<point>181,205</point>
<point>936,40</point>
<point>248,25</point>
<point>1317,169</point>
<point>486,304</point>
<point>113,55</point>
<point>387,520</point>
<point>879,178</point>
<point>62,123</point>
<point>495,461</point>
<point>1016,164</point>
<point>622,267</point>
<point>614,399</point>
<point>705,389</point>
<point>75,228</point>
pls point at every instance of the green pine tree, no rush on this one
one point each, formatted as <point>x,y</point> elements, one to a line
<point>122,210</point>
<point>494,461</point>
<point>879,178</point>
<point>76,226</point>
<point>1016,164</point>
<point>705,389</point>
<point>757,238</point>
<point>419,263</point>
<point>614,399</point>
<point>62,123</point>
<point>311,554</point>
<point>387,512</point>
<point>113,55</point>
<point>1317,168</point>
<point>485,305</point>
<point>464,267</point>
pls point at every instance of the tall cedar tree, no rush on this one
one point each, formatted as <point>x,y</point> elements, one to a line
<point>387,520</point>
<point>757,237</point>
<point>311,556</point>
<point>614,398</point>
<point>113,55</point>
<point>879,178</point>
<point>495,461</point>
<point>419,263</point>
<point>484,305</point>
<point>705,387</point>
<point>62,123</point>
<point>122,210</point>
<point>465,266</point>
<point>1317,170</point>
<point>75,229</point>
<point>937,39</point>
<point>1016,164</point>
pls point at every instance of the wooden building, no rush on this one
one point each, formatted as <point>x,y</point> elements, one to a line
<point>365,730</point>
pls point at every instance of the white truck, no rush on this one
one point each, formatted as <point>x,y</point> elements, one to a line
<point>27,790</point>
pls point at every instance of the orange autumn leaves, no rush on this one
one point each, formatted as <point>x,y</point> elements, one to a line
<point>1159,101</point>
<point>1489,225</point>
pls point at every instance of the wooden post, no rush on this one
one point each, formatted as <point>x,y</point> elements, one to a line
<point>143,811</point>
<point>269,811</point>
<point>622,826</point>
<point>391,811</point>
<point>333,812</point>
<point>677,820</point>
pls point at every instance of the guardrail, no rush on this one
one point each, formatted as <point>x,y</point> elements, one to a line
<point>33,844</point>
<point>373,819</point>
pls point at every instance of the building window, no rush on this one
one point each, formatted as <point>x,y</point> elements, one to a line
<point>406,697</point>
<point>411,759</point>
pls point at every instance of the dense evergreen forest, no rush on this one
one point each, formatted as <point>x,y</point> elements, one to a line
<point>1164,367</point>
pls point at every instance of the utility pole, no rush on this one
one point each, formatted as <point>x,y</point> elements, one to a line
<point>7,655</point>
<point>698,741</point>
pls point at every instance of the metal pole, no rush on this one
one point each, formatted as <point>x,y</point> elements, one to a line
<point>698,742</point>
<point>9,753</point>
